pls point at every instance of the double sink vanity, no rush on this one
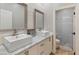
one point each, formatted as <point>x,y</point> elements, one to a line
<point>14,17</point>
<point>23,44</point>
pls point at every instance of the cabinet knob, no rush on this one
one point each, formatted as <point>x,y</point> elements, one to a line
<point>26,52</point>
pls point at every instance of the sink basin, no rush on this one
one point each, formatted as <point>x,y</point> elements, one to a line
<point>42,33</point>
<point>13,43</point>
<point>45,32</point>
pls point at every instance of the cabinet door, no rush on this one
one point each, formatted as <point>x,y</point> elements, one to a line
<point>49,45</point>
<point>34,50</point>
<point>42,48</point>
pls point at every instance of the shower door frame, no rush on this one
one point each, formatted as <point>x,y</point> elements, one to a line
<point>61,8</point>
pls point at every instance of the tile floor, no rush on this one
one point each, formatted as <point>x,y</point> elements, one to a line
<point>61,51</point>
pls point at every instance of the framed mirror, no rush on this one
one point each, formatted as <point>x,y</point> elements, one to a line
<point>20,16</point>
<point>13,16</point>
<point>6,16</point>
<point>39,20</point>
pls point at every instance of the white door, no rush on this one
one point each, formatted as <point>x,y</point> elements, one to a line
<point>77,29</point>
<point>64,26</point>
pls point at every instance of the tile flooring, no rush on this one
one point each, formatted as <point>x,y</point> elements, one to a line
<point>61,51</point>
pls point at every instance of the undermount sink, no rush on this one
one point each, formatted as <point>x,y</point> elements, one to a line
<point>13,43</point>
<point>42,33</point>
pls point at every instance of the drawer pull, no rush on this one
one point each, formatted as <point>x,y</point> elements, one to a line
<point>26,52</point>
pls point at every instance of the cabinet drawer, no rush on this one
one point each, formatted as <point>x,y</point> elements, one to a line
<point>34,50</point>
<point>42,47</point>
<point>42,44</point>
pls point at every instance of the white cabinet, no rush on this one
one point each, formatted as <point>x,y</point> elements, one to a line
<point>34,50</point>
<point>42,48</point>
<point>49,45</point>
<point>38,49</point>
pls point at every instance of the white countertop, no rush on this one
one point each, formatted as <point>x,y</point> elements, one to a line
<point>35,40</point>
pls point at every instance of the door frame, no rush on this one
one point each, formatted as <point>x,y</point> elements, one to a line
<point>60,8</point>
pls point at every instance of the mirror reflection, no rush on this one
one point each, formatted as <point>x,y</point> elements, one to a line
<point>13,16</point>
<point>39,20</point>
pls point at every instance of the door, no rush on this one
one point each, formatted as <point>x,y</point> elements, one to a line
<point>64,27</point>
<point>76,46</point>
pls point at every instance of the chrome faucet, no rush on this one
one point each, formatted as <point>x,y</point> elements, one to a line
<point>15,33</point>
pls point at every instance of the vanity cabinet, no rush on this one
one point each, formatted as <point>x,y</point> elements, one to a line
<point>34,50</point>
<point>42,48</point>
<point>39,49</point>
<point>49,45</point>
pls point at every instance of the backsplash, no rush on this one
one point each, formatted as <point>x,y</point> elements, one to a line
<point>21,31</point>
<point>6,33</point>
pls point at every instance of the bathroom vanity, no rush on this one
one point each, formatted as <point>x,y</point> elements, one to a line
<point>20,43</point>
<point>41,45</point>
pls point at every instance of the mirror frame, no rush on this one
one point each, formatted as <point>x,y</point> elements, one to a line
<point>36,10</point>
<point>25,23</point>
